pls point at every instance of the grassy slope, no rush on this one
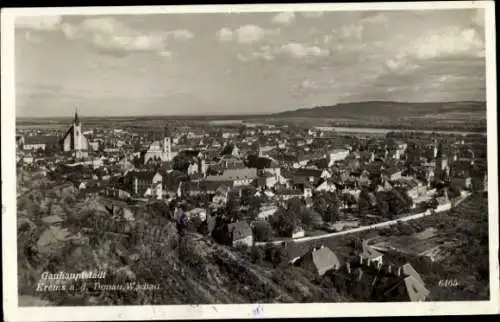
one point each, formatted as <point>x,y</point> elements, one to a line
<point>190,270</point>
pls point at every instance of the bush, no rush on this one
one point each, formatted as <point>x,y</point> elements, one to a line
<point>257,255</point>
<point>263,231</point>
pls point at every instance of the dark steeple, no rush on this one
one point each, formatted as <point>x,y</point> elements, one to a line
<point>77,120</point>
<point>167,132</point>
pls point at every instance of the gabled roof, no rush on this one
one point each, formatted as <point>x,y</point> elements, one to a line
<point>369,252</point>
<point>235,174</point>
<point>53,234</point>
<point>41,139</point>
<point>416,291</point>
<point>410,271</point>
<point>239,230</point>
<point>323,259</point>
<point>307,172</point>
<point>141,175</point>
<point>54,219</point>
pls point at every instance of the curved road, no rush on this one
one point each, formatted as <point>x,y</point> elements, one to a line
<point>363,228</point>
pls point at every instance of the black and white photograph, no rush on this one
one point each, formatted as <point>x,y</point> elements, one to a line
<point>217,157</point>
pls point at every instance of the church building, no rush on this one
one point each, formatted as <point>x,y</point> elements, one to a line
<point>160,150</point>
<point>74,141</point>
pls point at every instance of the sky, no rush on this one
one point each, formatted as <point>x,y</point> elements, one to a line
<point>244,63</point>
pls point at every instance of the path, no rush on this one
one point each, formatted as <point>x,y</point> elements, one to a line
<point>363,228</point>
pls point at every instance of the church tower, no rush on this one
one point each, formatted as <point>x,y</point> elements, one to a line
<point>77,135</point>
<point>167,140</point>
<point>74,141</point>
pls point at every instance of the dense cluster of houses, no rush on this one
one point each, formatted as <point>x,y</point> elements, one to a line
<point>276,163</point>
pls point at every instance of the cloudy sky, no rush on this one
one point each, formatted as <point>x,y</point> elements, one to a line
<point>206,63</point>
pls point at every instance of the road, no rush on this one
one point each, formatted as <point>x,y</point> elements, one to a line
<point>363,228</point>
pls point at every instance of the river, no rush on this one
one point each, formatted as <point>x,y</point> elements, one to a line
<point>368,130</point>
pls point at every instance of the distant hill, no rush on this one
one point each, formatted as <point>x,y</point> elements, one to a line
<point>388,109</point>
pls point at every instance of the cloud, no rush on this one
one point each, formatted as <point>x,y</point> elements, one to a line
<point>292,49</point>
<point>109,35</point>
<point>352,32</point>
<point>32,38</point>
<point>265,53</point>
<point>181,34</point>
<point>225,35</point>
<point>298,50</point>
<point>316,85</point>
<point>40,23</point>
<point>450,41</point>
<point>166,54</point>
<point>246,34</point>
<point>401,64</point>
<point>284,18</point>
<point>378,18</point>
<point>312,14</point>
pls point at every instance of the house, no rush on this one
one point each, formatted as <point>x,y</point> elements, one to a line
<point>325,185</point>
<point>298,232</point>
<point>443,204</point>
<point>125,165</point>
<point>313,176</point>
<point>144,183</point>
<point>267,180</point>
<point>393,173</point>
<point>197,212</point>
<point>369,255</point>
<point>409,286</point>
<point>221,195</point>
<point>319,260</point>
<point>240,233</point>
<point>286,194</point>
<point>337,155</point>
<point>39,142</point>
<point>196,188</point>
<point>266,211</point>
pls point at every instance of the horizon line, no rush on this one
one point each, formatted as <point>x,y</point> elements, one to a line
<point>244,114</point>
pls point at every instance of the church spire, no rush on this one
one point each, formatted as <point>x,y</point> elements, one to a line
<point>76,121</point>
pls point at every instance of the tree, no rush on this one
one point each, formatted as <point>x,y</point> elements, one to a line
<point>310,219</point>
<point>275,254</point>
<point>364,202</point>
<point>257,255</point>
<point>233,209</point>
<point>181,163</point>
<point>327,205</point>
<point>263,231</point>
<point>284,222</point>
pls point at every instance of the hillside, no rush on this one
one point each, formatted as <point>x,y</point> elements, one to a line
<point>387,109</point>
<point>443,115</point>
<point>189,269</point>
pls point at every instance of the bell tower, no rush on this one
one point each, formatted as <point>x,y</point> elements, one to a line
<point>77,136</point>
<point>167,140</point>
